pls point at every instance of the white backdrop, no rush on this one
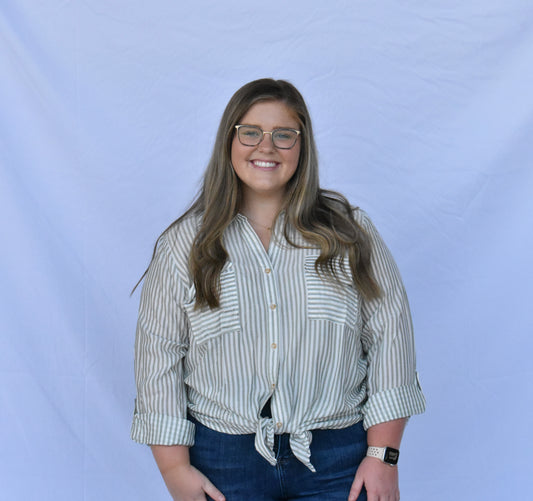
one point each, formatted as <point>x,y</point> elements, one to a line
<point>423,112</point>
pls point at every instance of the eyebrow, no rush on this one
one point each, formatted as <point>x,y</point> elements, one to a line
<point>276,127</point>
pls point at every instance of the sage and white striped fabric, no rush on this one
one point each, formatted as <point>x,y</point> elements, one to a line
<point>324,356</point>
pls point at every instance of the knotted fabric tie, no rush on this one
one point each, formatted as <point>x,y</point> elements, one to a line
<point>301,447</point>
<point>300,443</point>
<point>264,440</point>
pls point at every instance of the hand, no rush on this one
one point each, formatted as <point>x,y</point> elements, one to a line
<point>186,483</point>
<point>379,479</point>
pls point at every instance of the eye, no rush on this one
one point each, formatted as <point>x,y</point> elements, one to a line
<point>285,135</point>
<point>250,132</point>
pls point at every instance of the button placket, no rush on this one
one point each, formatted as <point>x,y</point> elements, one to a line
<point>273,324</point>
<point>271,298</point>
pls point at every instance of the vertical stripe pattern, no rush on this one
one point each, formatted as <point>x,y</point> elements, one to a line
<point>324,356</point>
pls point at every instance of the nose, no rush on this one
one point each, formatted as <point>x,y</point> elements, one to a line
<point>265,144</point>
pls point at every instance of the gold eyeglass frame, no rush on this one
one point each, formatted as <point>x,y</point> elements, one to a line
<point>271,132</point>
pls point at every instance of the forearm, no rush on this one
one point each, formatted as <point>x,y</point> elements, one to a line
<point>379,479</point>
<point>168,457</point>
<point>388,434</point>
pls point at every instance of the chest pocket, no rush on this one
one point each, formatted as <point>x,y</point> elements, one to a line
<point>328,298</point>
<point>207,323</point>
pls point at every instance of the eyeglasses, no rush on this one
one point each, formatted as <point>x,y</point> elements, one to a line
<point>252,135</point>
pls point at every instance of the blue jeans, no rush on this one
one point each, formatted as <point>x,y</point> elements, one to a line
<point>234,466</point>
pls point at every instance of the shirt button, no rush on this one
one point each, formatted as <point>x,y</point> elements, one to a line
<point>273,346</point>
<point>267,270</point>
<point>273,306</point>
<point>273,385</point>
<point>279,425</point>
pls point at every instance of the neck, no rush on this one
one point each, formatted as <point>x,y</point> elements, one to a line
<point>261,210</point>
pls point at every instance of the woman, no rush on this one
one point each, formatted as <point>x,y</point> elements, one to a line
<point>272,314</point>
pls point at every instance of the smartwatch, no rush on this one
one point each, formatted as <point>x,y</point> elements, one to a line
<point>388,455</point>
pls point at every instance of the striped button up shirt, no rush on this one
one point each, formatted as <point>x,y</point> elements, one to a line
<point>323,355</point>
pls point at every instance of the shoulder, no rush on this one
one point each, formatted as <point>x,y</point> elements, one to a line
<point>367,225</point>
<point>362,218</point>
<point>337,203</point>
<point>176,241</point>
<point>181,233</point>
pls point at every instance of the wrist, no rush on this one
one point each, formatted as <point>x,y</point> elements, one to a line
<point>387,455</point>
<point>169,458</point>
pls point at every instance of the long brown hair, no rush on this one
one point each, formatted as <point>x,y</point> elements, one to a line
<point>323,218</point>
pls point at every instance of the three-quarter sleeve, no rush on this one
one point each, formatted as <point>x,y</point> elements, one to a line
<point>162,339</point>
<point>393,388</point>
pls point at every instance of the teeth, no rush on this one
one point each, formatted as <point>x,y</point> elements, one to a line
<point>259,163</point>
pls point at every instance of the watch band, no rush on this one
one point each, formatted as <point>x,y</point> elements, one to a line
<point>388,455</point>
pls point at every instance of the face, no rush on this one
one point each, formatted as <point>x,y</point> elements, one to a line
<point>264,170</point>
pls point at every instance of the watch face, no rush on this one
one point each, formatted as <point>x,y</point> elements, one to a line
<point>391,455</point>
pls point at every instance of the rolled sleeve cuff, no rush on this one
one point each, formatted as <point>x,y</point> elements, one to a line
<point>394,403</point>
<point>158,429</point>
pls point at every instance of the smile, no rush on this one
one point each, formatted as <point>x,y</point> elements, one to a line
<point>264,164</point>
